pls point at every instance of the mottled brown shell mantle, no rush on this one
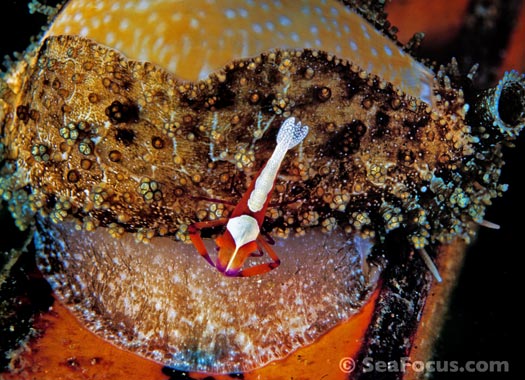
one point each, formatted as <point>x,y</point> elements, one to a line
<point>107,141</point>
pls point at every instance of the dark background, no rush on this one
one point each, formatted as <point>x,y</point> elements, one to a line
<point>484,321</point>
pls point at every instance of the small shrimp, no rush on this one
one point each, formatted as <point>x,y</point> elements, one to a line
<point>242,237</point>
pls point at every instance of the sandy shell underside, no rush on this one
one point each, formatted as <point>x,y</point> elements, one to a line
<point>137,296</point>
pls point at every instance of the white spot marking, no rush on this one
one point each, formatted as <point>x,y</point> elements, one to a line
<point>364,28</point>
<point>285,21</point>
<point>77,17</point>
<point>143,5</point>
<point>124,24</point>
<point>95,22</point>
<point>110,38</point>
<point>243,12</point>
<point>229,13</point>
<point>100,5</point>
<point>194,23</point>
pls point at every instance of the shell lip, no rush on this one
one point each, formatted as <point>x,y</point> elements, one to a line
<point>212,314</point>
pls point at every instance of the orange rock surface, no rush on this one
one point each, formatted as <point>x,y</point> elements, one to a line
<point>439,20</point>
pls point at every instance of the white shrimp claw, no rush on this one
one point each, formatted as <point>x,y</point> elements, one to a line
<point>291,133</point>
